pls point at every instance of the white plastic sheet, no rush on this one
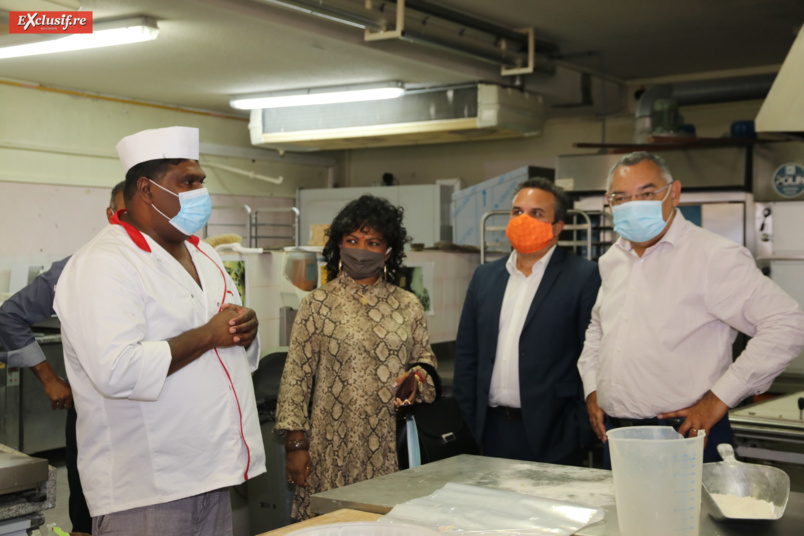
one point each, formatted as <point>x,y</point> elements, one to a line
<point>460,508</point>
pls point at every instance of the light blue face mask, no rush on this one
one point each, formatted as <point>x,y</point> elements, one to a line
<point>639,221</point>
<point>196,208</point>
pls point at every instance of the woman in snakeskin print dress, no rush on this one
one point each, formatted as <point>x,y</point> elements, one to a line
<point>354,341</point>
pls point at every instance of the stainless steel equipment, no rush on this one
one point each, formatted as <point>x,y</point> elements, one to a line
<point>772,432</point>
<point>716,184</point>
<point>778,220</point>
<point>592,487</point>
<point>269,495</point>
<point>738,479</point>
<point>711,168</point>
<point>27,486</point>
<point>29,423</point>
<point>21,473</point>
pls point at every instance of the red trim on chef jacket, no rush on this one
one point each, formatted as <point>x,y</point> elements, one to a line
<point>135,234</point>
<point>226,370</point>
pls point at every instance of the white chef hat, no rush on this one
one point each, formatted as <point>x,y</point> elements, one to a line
<point>159,143</point>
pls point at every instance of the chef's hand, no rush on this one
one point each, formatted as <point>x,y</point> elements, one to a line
<point>232,325</point>
<point>412,398</point>
<point>707,412</point>
<point>244,326</point>
<point>218,328</point>
<point>596,416</point>
<point>56,389</point>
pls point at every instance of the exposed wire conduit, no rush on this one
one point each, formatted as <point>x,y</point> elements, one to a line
<point>244,173</point>
<point>110,156</point>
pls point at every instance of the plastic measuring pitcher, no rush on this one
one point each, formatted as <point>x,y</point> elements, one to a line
<point>657,480</point>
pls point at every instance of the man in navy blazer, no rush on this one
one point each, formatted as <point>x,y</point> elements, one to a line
<point>520,335</point>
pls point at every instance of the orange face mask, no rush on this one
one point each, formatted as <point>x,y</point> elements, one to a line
<point>527,234</point>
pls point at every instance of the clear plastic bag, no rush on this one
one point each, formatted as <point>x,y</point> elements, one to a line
<point>460,508</point>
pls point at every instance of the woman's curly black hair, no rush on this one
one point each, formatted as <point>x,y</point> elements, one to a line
<point>367,212</point>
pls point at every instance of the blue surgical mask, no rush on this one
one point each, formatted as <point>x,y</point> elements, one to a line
<point>639,221</point>
<point>196,208</point>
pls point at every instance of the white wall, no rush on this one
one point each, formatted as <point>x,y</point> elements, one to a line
<point>55,138</point>
<point>58,164</point>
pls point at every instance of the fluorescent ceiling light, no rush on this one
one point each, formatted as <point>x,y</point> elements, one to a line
<point>323,95</point>
<point>104,34</point>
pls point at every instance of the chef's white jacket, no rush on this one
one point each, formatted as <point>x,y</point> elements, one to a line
<point>144,437</point>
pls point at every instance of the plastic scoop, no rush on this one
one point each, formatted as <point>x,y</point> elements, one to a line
<point>743,480</point>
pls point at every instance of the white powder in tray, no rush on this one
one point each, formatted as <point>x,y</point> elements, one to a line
<point>744,507</point>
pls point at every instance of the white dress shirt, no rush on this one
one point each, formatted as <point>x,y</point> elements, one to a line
<point>663,325</point>
<point>145,437</point>
<point>519,294</point>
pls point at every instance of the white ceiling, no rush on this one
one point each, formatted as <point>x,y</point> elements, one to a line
<point>210,50</point>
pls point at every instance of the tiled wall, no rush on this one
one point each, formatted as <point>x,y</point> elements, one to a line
<point>451,275</point>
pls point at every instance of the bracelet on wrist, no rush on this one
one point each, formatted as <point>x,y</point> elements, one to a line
<point>296,444</point>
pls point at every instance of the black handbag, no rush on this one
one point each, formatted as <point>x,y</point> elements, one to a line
<point>442,431</point>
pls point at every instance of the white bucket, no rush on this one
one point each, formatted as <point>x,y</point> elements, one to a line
<point>657,480</point>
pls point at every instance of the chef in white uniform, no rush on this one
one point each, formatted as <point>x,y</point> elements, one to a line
<point>159,352</point>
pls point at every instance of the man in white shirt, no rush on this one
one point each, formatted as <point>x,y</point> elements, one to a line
<point>520,335</point>
<point>672,299</point>
<point>159,353</point>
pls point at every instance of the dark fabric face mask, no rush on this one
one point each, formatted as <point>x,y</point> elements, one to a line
<point>361,263</point>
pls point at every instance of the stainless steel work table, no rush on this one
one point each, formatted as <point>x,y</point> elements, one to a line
<point>589,487</point>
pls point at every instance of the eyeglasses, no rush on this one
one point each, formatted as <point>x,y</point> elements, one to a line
<point>651,195</point>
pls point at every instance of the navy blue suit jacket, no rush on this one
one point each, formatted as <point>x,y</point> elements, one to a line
<point>553,407</point>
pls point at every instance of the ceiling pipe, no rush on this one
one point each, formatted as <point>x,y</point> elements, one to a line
<point>699,92</point>
<point>513,55</point>
<point>495,56</point>
<point>330,12</point>
<point>428,8</point>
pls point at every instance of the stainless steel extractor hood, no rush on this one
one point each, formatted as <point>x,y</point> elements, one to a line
<point>783,109</point>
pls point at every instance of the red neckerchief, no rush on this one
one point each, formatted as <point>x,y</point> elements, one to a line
<point>135,234</point>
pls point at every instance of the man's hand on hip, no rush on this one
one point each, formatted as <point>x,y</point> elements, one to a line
<point>56,389</point>
<point>596,416</point>
<point>703,415</point>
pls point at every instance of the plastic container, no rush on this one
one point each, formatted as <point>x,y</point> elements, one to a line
<point>743,130</point>
<point>365,528</point>
<point>657,480</point>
